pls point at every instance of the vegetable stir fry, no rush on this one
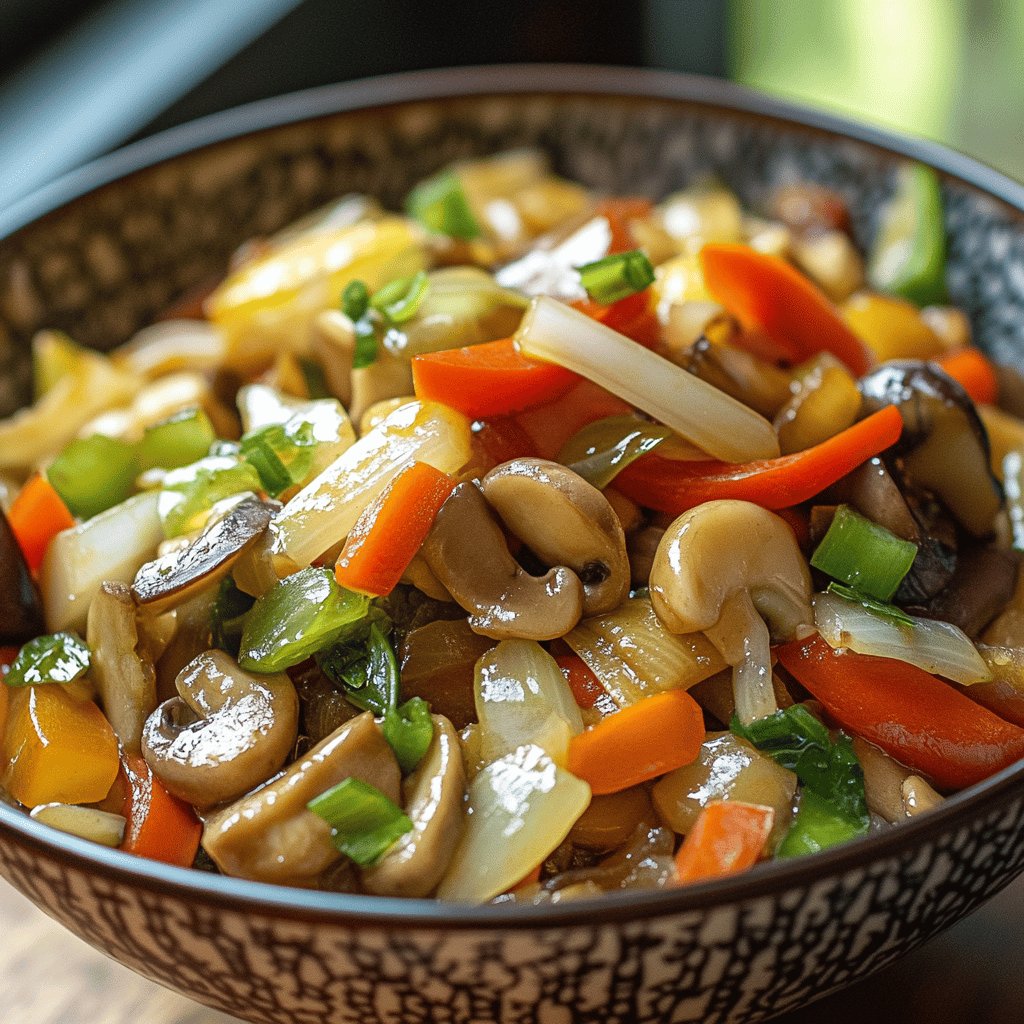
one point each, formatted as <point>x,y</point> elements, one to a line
<point>527,545</point>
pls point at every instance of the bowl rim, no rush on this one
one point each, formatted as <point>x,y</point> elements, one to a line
<point>366,95</point>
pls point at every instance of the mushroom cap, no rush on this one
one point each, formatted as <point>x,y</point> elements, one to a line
<point>722,548</point>
<point>467,552</point>
<point>226,732</point>
<point>944,444</point>
<point>564,520</point>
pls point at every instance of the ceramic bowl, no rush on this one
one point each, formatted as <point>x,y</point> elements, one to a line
<point>102,251</point>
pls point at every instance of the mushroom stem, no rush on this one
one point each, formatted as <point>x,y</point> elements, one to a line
<point>741,637</point>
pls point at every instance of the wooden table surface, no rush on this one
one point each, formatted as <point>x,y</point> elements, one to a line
<point>970,975</point>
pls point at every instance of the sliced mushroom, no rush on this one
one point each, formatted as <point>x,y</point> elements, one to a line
<point>918,796</point>
<point>271,836</point>
<point>21,611</point>
<point>566,521</point>
<point>434,794</point>
<point>883,780</point>
<point>728,568</point>
<point>466,550</point>
<point>123,674</point>
<point>944,446</point>
<point>227,730</point>
<point>181,575</point>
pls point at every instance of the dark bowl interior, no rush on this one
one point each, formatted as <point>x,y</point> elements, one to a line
<point>102,251</point>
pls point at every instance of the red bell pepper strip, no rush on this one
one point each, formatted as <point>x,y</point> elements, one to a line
<point>550,425</point>
<point>492,379</point>
<point>619,212</point>
<point>973,372</point>
<point>674,486</point>
<point>728,837</point>
<point>767,292</point>
<point>631,316</point>
<point>916,718</point>
<point>37,515</point>
<point>390,531</point>
<point>585,686</point>
<point>501,439</point>
<point>160,826</point>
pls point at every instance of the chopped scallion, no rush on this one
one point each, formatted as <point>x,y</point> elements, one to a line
<point>355,300</point>
<point>364,822</point>
<point>441,206</point>
<point>864,555</point>
<point>400,300</point>
<point>56,658</point>
<point>93,474</point>
<point>617,276</point>
<point>365,353</point>
<point>297,617</point>
<point>177,441</point>
<point>409,729</point>
<point>282,454</point>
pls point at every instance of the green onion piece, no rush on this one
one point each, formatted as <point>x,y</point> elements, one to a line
<point>282,454</point>
<point>830,770</point>
<point>441,206</point>
<point>93,474</point>
<point>365,352</point>
<point>409,729</point>
<point>880,608</point>
<point>190,492</point>
<point>227,618</point>
<point>365,824</point>
<point>273,474</point>
<point>365,667</point>
<point>355,300</point>
<point>58,658</point>
<point>864,555</point>
<point>178,441</point>
<point>401,299</point>
<point>617,276</point>
<point>297,617</point>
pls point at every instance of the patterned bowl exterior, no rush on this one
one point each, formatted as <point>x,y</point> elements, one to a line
<point>102,251</point>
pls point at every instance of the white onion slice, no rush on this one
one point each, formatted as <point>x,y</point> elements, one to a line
<point>325,510</point>
<point>937,647</point>
<point>522,697</point>
<point>710,418</point>
<point>520,808</point>
<point>634,656</point>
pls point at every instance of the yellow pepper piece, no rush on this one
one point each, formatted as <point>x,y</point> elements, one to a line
<point>269,304</point>
<point>892,328</point>
<point>57,749</point>
<point>825,401</point>
<point>4,701</point>
<point>679,279</point>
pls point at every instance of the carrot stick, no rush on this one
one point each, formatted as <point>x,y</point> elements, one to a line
<point>640,742</point>
<point>674,486</point>
<point>973,372</point>
<point>492,379</point>
<point>36,517</point>
<point>160,826</point>
<point>766,292</point>
<point>390,531</point>
<point>728,837</point>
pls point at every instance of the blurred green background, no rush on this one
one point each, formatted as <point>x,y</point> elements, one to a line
<point>952,70</point>
<point>78,77</point>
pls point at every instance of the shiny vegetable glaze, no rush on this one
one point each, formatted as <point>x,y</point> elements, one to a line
<point>527,545</point>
